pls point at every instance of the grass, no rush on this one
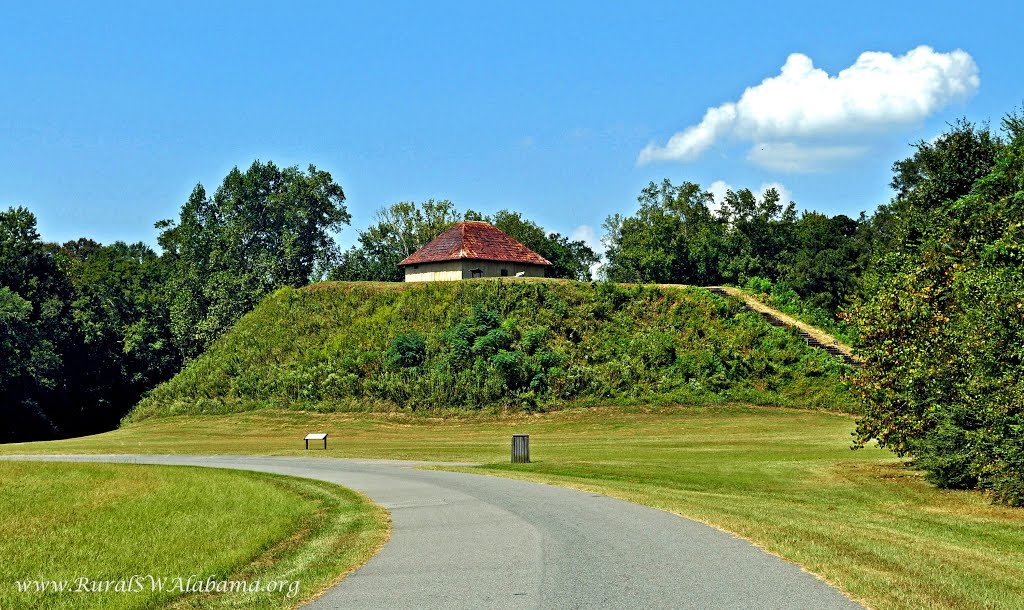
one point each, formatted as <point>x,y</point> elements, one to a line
<point>785,479</point>
<point>110,522</point>
<point>494,345</point>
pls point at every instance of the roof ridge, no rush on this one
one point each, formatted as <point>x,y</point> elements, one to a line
<point>475,240</point>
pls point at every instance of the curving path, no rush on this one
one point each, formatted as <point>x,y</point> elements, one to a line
<point>475,541</point>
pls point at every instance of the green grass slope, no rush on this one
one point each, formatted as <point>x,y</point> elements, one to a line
<point>492,344</point>
<point>90,536</point>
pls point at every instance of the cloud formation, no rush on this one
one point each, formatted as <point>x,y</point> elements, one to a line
<point>588,235</point>
<point>793,157</point>
<point>877,92</point>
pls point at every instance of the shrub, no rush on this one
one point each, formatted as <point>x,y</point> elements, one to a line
<point>407,350</point>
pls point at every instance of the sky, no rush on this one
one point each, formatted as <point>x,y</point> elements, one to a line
<point>563,111</point>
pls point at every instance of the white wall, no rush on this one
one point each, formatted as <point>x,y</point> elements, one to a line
<point>456,270</point>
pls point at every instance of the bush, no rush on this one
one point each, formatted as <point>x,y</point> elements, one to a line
<point>407,350</point>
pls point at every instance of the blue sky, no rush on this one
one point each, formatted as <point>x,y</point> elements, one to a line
<point>110,115</point>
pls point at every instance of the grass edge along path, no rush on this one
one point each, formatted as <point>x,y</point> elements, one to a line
<point>312,532</point>
<point>783,478</point>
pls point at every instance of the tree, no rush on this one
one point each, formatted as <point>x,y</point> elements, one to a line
<point>824,259</point>
<point>758,235</point>
<point>38,333</point>
<point>401,229</point>
<point>944,333</point>
<point>121,312</point>
<point>263,229</point>
<point>569,259</point>
<point>673,238</point>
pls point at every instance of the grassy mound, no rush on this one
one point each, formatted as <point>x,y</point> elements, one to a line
<point>497,344</point>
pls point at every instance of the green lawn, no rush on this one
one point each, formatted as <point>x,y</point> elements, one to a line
<point>110,522</point>
<point>784,478</point>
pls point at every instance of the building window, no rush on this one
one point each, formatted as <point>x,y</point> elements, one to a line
<point>504,273</point>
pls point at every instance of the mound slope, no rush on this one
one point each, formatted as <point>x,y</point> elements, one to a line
<point>488,344</point>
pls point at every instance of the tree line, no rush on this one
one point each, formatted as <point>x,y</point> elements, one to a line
<point>930,287</point>
<point>88,328</point>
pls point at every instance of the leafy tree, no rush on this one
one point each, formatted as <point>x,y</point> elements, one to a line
<point>758,236</point>
<point>401,229</point>
<point>121,312</point>
<point>935,176</point>
<point>38,332</point>
<point>944,333</point>
<point>570,259</point>
<point>673,238</point>
<point>824,260</point>
<point>264,228</point>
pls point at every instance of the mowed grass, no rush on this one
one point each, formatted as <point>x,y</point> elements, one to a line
<point>110,522</point>
<point>785,479</point>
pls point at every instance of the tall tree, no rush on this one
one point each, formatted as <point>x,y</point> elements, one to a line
<point>39,334</point>
<point>944,331</point>
<point>264,228</point>
<point>824,259</point>
<point>121,312</point>
<point>759,232</point>
<point>570,259</point>
<point>673,238</point>
<point>401,229</point>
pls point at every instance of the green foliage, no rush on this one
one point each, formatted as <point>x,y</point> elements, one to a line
<point>944,333</point>
<point>85,331</point>
<point>407,350</point>
<point>264,228</point>
<point>401,229</point>
<point>405,227</point>
<point>493,344</point>
<point>675,237</point>
<point>40,342</point>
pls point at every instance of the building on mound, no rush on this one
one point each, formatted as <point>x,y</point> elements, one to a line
<point>472,249</point>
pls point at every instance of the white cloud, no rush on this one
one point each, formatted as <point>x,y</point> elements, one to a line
<point>718,189</point>
<point>793,157</point>
<point>588,235</point>
<point>878,91</point>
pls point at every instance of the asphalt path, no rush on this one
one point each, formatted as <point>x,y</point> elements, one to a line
<point>475,541</point>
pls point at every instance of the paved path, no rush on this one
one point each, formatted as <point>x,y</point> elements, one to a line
<point>475,541</point>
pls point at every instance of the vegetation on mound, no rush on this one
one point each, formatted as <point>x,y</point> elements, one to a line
<point>497,344</point>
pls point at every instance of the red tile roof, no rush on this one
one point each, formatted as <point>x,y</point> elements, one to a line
<point>474,240</point>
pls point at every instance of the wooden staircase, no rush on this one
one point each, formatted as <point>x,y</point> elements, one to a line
<point>776,319</point>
